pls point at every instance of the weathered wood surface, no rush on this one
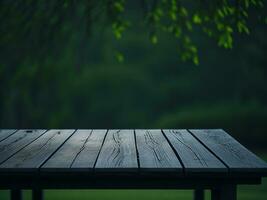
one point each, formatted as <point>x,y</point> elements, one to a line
<point>231,152</point>
<point>180,152</point>
<point>118,152</point>
<point>79,152</point>
<point>155,153</point>
<point>33,155</point>
<point>4,133</point>
<point>195,157</point>
<point>16,142</point>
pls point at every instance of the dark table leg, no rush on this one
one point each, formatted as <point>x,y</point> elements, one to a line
<point>198,194</point>
<point>16,194</point>
<point>224,192</point>
<point>37,194</point>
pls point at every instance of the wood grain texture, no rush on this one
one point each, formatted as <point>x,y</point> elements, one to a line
<point>155,153</point>
<point>231,152</point>
<point>34,154</point>
<point>4,133</point>
<point>118,152</point>
<point>195,157</point>
<point>17,141</point>
<point>79,152</point>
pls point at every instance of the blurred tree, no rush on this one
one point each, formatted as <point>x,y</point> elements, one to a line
<point>41,22</point>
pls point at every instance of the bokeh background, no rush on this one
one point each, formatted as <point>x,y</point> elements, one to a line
<point>77,82</point>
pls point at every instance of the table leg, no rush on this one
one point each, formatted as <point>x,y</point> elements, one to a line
<point>198,194</point>
<point>16,194</point>
<point>37,194</point>
<point>224,192</point>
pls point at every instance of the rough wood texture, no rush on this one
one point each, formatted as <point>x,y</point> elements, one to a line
<point>79,152</point>
<point>33,155</point>
<point>195,157</point>
<point>235,155</point>
<point>201,153</point>
<point>118,152</point>
<point>4,133</point>
<point>155,153</point>
<point>16,142</point>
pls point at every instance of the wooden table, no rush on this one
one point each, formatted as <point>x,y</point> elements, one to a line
<point>130,159</point>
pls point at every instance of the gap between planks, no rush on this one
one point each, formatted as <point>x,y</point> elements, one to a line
<point>100,149</point>
<point>40,166</point>
<point>228,168</point>
<point>45,130</point>
<point>174,150</point>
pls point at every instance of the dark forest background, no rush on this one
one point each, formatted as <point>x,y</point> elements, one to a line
<point>77,82</point>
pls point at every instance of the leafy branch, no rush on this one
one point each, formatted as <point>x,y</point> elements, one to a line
<point>44,22</point>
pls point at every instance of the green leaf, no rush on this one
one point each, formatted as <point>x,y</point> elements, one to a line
<point>159,12</point>
<point>118,6</point>
<point>173,16</point>
<point>229,29</point>
<point>225,40</point>
<point>195,60</point>
<point>241,26</point>
<point>119,57</point>
<point>220,26</point>
<point>117,34</point>
<point>254,2</point>
<point>207,31</point>
<point>189,25</point>
<point>247,3</point>
<point>197,19</point>
<point>177,32</point>
<point>193,49</point>
<point>220,13</point>
<point>183,11</point>
<point>261,4</point>
<point>154,39</point>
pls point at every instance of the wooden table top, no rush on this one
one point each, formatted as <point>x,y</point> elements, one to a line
<point>170,153</point>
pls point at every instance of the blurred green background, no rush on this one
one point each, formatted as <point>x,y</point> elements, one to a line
<point>78,83</point>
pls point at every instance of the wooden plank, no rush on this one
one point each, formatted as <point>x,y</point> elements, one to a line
<point>79,152</point>
<point>33,155</point>
<point>231,152</point>
<point>118,152</point>
<point>4,133</point>
<point>195,157</point>
<point>155,153</point>
<point>16,142</point>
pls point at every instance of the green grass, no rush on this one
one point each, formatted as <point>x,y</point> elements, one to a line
<point>255,192</point>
